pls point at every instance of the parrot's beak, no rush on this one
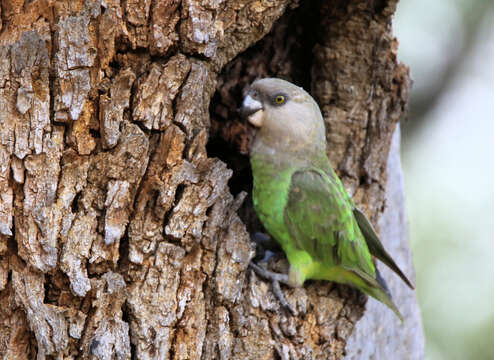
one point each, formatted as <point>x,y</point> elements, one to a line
<point>253,110</point>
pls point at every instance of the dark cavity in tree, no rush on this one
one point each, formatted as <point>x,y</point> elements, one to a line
<point>286,52</point>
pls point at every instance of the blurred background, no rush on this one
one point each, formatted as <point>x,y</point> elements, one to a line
<point>448,159</point>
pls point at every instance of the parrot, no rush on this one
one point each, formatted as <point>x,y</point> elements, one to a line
<point>301,201</point>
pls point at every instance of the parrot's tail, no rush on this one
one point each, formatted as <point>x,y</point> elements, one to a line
<point>381,293</point>
<point>383,284</point>
<point>377,288</point>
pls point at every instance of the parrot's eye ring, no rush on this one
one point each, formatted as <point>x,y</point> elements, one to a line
<point>279,99</point>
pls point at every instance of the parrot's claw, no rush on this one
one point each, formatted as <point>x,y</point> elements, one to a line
<point>266,247</point>
<point>276,279</point>
<point>281,298</point>
<point>269,275</point>
<point>262,239</point>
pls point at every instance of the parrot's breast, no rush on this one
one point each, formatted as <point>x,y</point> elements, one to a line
<point>270,194</point>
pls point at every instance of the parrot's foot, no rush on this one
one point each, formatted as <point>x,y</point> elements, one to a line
<point>265,241</point>
<point>270,275</point>
<point>266,247</point>
<point>276,279</point>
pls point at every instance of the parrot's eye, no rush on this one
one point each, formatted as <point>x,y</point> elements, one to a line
<point>279,99</point>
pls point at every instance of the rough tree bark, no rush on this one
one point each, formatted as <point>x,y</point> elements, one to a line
<point>124,220</point>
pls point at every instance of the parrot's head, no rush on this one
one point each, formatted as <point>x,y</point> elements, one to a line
<point>286,115</point>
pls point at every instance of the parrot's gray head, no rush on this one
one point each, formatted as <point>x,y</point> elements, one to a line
<point>288,118</point>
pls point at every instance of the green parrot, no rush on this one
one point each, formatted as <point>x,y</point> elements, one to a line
<point>301,201</point>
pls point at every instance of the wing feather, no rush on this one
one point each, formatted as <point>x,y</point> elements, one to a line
<point>375,246</point>
<point>320,221</point>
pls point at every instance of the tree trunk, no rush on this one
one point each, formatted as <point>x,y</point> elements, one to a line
<point>124,206</point>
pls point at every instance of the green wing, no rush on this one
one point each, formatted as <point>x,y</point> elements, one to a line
<point>375,246</point>
<point>320,220</point>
